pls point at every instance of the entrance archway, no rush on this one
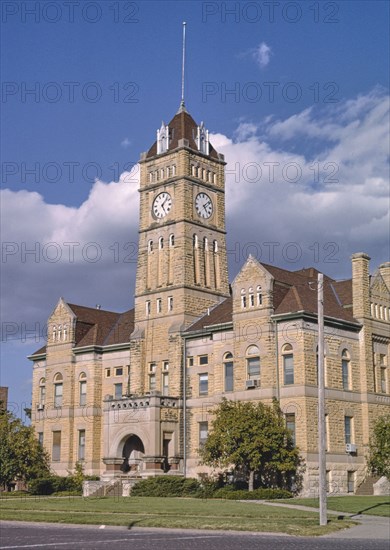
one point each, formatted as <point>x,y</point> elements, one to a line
<point>132,453</point>
<point>133,447</point>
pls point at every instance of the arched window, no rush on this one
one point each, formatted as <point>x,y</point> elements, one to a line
<point>205,243</point>
<point>259,295</point>
<point>54,333</point>
<point>161,243</point>
<point>228,371</point>
<point>243,298</point>
<point>172,240</point>
<point>253,362</point>
<point>195,241</point>
<point>251,297</point>
<point>58,389</point>
<point>83,389</point>
<point>59,333</point>
<point>345,370</point>
<point>42,391</point>
<point>65,332</point>
<point>215,247</point>
<point>150,246</point>
<point>288,364</point>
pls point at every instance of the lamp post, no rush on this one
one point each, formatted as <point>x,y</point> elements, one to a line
<point>321,402</point>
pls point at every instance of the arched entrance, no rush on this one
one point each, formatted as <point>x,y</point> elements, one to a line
<point>133,451</point>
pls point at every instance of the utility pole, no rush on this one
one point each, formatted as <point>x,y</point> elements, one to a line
<point>321,402</point>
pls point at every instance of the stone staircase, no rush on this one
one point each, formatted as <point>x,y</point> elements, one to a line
<point>116,487</point>
<point>366,488</point>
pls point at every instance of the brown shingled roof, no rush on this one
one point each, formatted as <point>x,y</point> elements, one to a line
<point>98,327</point>
<point>293,291</point>
<point>182,126</point>
<point>221,313</point>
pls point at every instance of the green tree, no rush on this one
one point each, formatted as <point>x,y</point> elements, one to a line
<point>379,450</point>
<point>21,455</point>
<point>252,438</point>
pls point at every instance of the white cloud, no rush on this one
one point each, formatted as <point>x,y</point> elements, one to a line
<point>126,143</point>
<point>262,55</point>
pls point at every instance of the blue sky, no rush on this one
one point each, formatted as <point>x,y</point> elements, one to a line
<point>306,88</point>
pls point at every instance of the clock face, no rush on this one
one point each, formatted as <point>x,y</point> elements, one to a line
<point>204,205</point>
<point>162,204</point>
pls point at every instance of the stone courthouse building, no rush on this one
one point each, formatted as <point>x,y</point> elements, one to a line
<point>131,394</point>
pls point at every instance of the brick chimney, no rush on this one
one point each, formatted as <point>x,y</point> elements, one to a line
<point>361,285</point>
<point>384,270</point>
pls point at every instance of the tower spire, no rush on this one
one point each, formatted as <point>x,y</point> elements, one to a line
<point>182,104</point>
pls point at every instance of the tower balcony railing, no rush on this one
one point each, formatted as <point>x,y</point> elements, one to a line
<point>139,402</point>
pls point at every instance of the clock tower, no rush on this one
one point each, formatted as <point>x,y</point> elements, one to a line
<point>182,264</point>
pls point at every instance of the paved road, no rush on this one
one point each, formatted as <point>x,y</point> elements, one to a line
<point>20,535</point>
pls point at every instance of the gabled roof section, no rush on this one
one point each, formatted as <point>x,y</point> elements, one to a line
<point>182,126</point>
<point>98,327</point>
<point>293,291</point>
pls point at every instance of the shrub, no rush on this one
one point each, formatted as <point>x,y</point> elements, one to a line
<point>54,484</point>
<point>166,486</point>
<point>228,492</point>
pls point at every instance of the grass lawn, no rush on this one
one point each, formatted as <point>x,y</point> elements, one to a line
<point>374,506</point>
<point>167,512</point>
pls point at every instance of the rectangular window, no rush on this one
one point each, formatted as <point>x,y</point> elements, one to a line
<point>383,379</point>
<point>251,300</point>
<point>345,373</point>
<point>118,391</point>
<point>350,482</point>
<point>243,302</point>
<point>108,373</point>
<point>190,361</point>
<point>118,371</point>
<point>40,438</point>
<point>83,393</point>
<point>56,449</point>
<point>58,395</point>
<point>229,383</point>
<point>165,365</point>
<point>152,382</point>
<point>42,394</point>
<point>348,429</point>
<point>165,383</point>
<point>203,384</point>
<point>203,359</point>
<point>152,367</point>
<point>81,453</point>
<point>288,368</point>
<point>253,366</point>
<point>290,425</point>
<point>203,433</point>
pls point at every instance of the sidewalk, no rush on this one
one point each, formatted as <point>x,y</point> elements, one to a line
<point>371,527</point>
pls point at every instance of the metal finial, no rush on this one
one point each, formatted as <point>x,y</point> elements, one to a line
<point>183,63</point>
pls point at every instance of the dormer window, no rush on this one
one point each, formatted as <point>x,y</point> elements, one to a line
<point>202,139</point>
<point>162,139</point>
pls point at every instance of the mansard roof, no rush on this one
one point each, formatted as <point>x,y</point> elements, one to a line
<point>182,126</point>
<point>98,327</point>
